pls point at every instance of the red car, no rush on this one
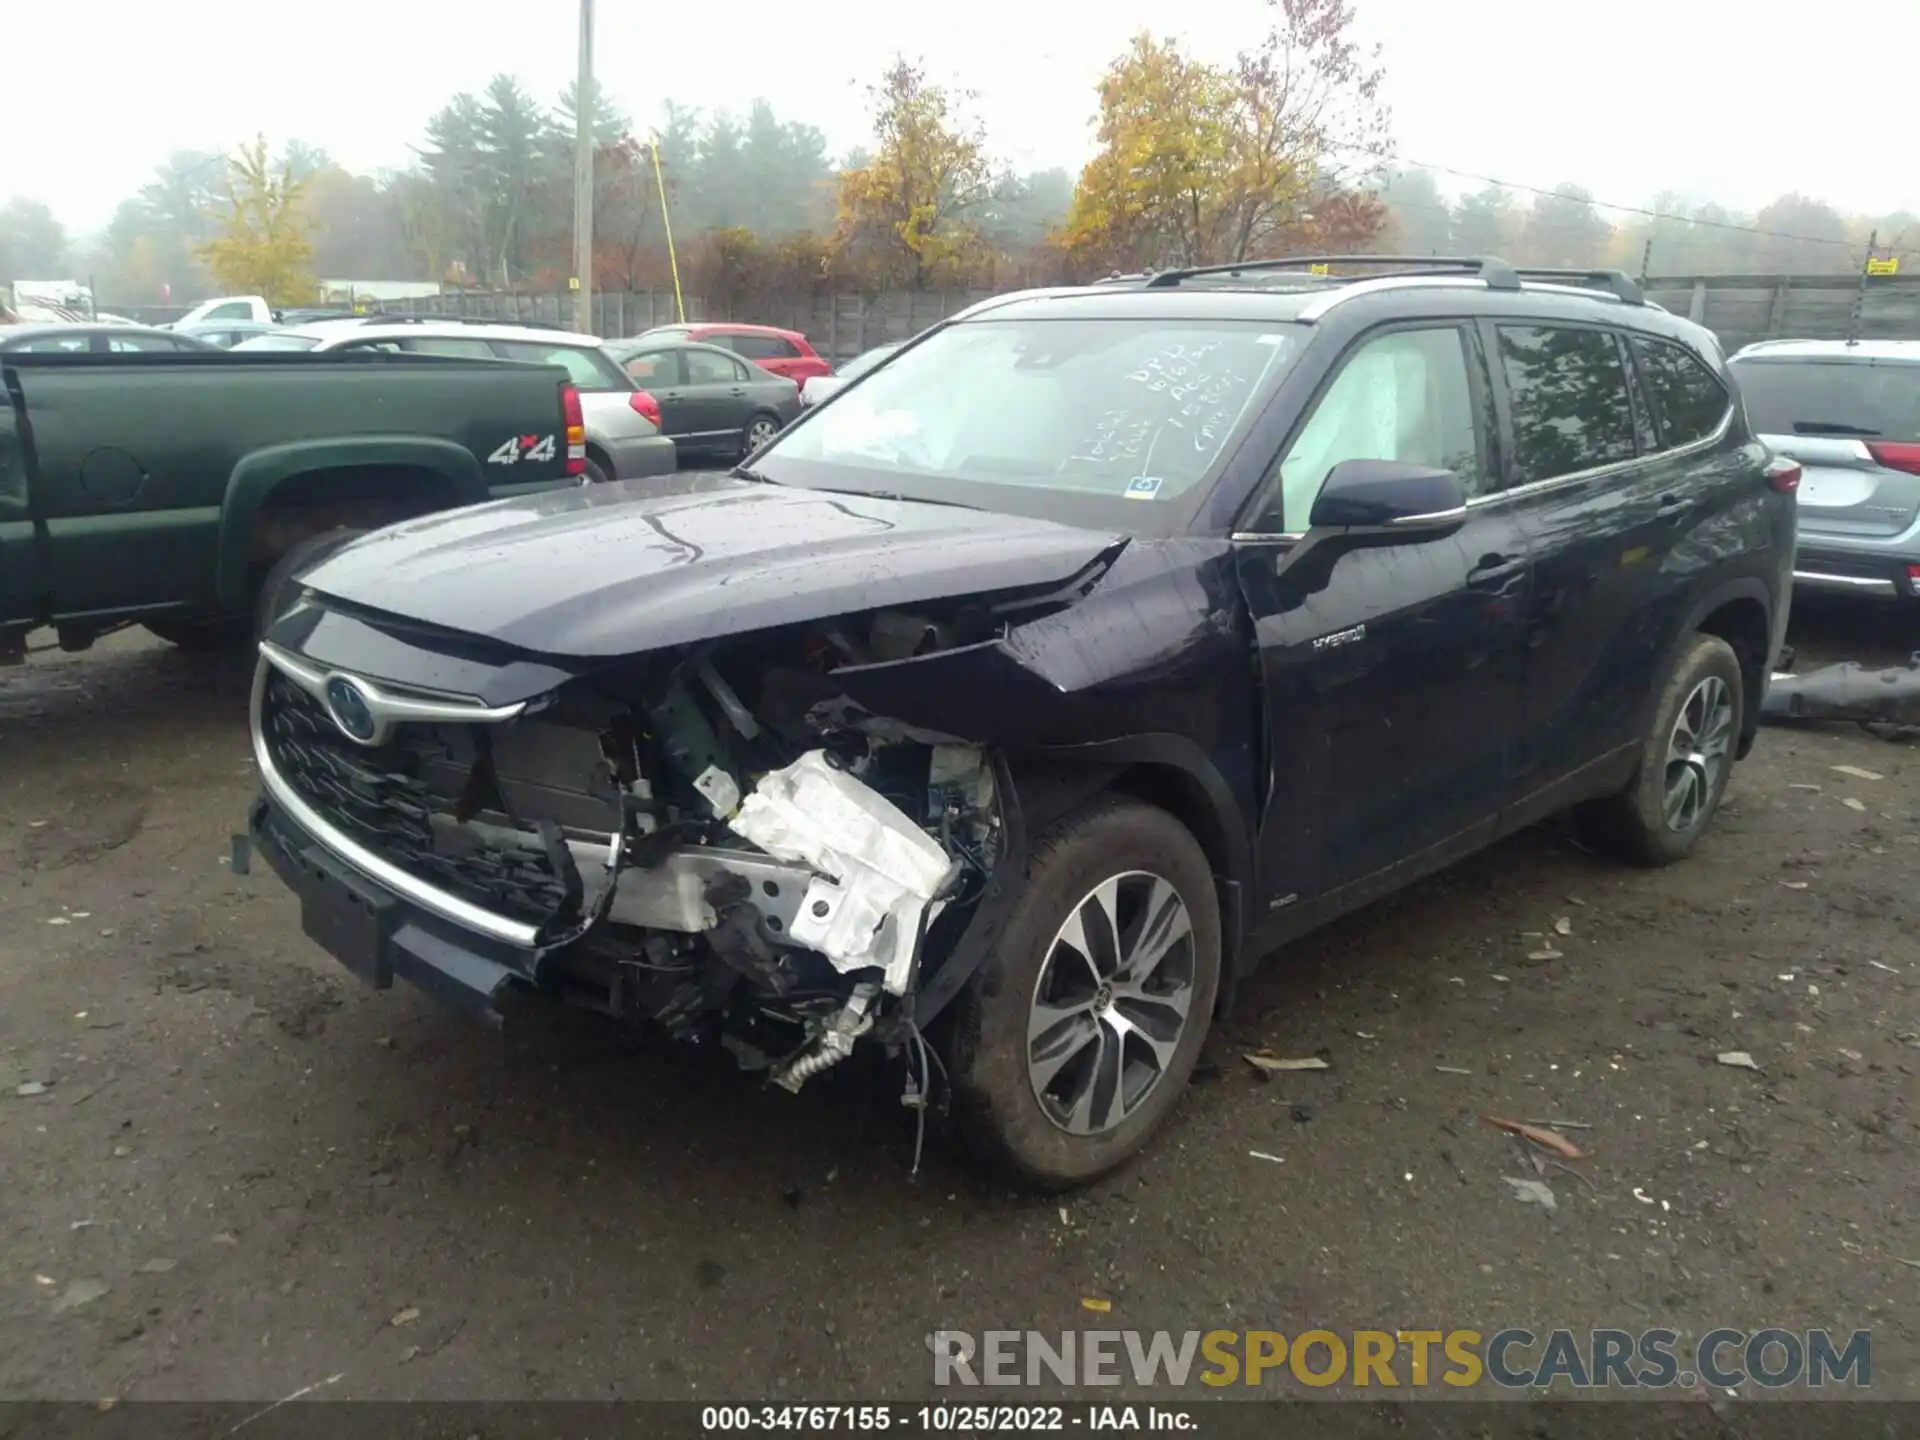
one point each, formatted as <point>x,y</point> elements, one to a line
<point>784,352</point>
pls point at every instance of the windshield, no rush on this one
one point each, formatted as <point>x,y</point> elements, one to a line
<point>1871,399</point>
<point>278,342</point>
<point>1119,422</point>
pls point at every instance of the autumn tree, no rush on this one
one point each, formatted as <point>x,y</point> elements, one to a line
<point>1202,163</point>
<point>261,244</point>
<point>907,212</point>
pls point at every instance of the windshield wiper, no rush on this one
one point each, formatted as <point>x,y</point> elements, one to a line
<point>889,495</point>
<point>1829,427</point>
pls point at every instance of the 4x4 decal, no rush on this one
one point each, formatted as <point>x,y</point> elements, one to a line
<point>516,448</point>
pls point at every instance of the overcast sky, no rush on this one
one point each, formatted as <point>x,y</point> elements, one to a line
<point>1729,101</point>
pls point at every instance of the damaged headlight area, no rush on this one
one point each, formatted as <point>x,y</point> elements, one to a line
<point>714,840</point>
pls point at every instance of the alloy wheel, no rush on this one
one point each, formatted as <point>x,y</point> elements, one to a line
<point>1697,753</point>
<point>1112,1002</point>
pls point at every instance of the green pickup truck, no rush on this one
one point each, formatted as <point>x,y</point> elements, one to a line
<point>173,491</point>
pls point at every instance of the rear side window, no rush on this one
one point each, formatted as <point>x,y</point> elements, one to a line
<point>459,347</point>
<point>1571,410</point>
<point>278,342</point>
<point>762,347</point>
<point>590,369</point>
<point>1688,398</point>
<point>1862,399</point>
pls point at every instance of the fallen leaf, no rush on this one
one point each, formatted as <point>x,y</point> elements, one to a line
<point>1533,1192</point>
<point>155,1267</point>
<point>58,920</point>
<point>1273,1064</point>
<point>1794,884</point>
<point>27,1089</point>
<point>1803,787</point>
<point>1853,804</point>
<point>1263,1155</point>
<point>1551,1139</point>
<point>1452,1070</point>
<point>1548,953</point>
<point>1888,968</point>
<point>405,1317</point>
<point>1856,772</point>
<point>80,1292</point>
<point>1099,1307</point>
<point>1563,926</point>
<point>46,1280</point>
<point>1738,1059</point>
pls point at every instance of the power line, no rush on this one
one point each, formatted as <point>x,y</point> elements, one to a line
<point>1641,210</point>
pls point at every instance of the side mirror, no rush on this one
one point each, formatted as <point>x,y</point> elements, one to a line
<point>1389,495</point>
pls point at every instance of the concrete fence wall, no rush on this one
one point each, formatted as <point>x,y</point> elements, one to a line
<point>1741,309</point>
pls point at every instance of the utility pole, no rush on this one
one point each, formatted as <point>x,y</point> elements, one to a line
<point>585,98</point>
<point>1860,295</point>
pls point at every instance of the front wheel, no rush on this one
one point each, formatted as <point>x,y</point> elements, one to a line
<point>1077,1037</point>
<point>1685,761</point>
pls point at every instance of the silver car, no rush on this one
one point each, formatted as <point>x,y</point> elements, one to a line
<point>1850,414</point>
<point>623,422</point>
<point>821,388</point>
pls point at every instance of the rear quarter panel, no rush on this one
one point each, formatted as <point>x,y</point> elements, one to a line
<point>142,460</point>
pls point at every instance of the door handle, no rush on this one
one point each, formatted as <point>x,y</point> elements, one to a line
<point>738,390</point>
<point>1493,572</point>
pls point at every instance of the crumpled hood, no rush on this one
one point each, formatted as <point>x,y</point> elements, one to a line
<point>606,570</point>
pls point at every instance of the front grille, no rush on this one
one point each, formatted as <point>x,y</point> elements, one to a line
<point>394,800</point>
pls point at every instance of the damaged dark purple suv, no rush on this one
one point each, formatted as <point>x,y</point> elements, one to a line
<point>1003,710</point>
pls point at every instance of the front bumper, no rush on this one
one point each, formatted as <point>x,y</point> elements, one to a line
<point>1871,575</point>
<point>642,456</point>
<point>378,934</point>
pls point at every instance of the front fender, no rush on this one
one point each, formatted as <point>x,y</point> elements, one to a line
<point>261,473</point>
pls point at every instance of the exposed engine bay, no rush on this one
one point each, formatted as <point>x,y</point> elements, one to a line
<point>714,839</point>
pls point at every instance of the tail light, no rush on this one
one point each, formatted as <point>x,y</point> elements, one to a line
<point>1913,579</point>
<point>645,404</point>
<point>1896,456</point>
<point>576,423</point>
<point>1783,475</point>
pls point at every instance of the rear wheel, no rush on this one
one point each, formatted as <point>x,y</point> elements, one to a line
<point>595,473</point>
<point>760,429</point>
<point>281,587</point>
<point>1685,761</point>
<point>1077,1037</point>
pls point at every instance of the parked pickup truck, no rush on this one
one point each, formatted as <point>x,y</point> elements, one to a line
<point>176,491</point>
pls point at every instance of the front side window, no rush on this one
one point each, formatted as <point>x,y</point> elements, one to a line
<point>145,344</point>
<point>1104,420</point>
<point>54,345</point>
<point>1568,388</point>
<point>1689,398</point>
<point>1404,396</point>
<point>656,367</point>
<point>278,342</point>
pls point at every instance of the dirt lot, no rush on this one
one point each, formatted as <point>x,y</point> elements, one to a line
<point>279,1177</point>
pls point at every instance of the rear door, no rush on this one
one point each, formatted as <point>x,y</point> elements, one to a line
<point>1854,426</point>
<point>774,353</point>
<point>663,375</point>
<point>1604,500</point>
<point>1393,672</point>
<point>716,399</point>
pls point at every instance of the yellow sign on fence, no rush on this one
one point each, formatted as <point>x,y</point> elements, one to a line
<point>1888,266</point>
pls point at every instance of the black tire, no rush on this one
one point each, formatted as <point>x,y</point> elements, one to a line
<point>997,1112</point>
<point>762,419</point>
<point>199,637</point>
<point>1634,824</point>
<point>279,589</point>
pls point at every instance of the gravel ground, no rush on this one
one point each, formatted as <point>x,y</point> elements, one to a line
<point>230,1172</point>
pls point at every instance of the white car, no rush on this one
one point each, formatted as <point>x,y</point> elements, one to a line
<point>252,309</point>
<point>820,388</point>
<point>623,421</point>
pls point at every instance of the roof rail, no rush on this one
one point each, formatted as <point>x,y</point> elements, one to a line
<point>428,317</point>
<point>1616,282</point>
<point>1498,274</point>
